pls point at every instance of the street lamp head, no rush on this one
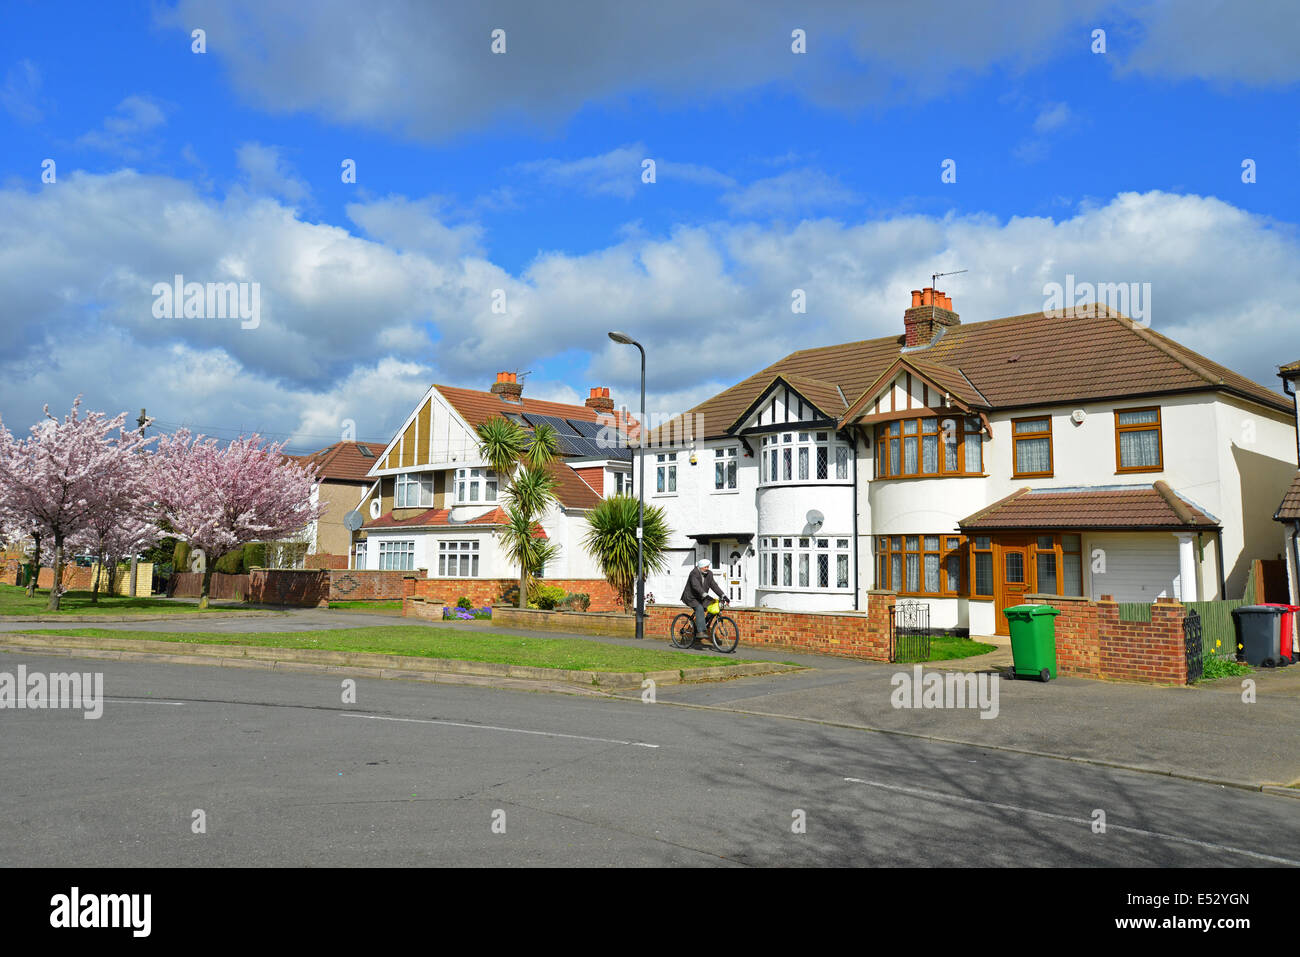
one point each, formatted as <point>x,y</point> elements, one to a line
<point>623,337</point>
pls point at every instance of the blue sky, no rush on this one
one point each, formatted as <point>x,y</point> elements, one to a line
<point>521,172</point>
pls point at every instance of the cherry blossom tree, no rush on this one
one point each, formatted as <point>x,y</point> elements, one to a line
<point>217,498</point>
<point>17,525</point>
<point>59,476</point>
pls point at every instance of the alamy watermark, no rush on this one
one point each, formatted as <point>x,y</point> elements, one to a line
<point>1083,299</point>
<point>38,691</point>
<point>179,299</point>
<point>950,690</point>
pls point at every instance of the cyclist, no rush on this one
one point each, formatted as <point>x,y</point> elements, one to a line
<point>698,584</point>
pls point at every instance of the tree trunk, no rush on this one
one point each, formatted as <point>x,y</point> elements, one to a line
<point>207,582</point>
<point>94,585</point>
<point>523,585</point>
<point>56,589</point>
<point>36,562</point>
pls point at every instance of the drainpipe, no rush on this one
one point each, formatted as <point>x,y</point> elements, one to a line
<point>857,550</point>
<point>1218,551</point>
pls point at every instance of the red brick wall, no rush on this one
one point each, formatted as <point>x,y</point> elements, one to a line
<point>9,571</point>
<point>283,586</point>
<point>845,634</point>
<point>487,591</point>
<point>1092,642</point>
<point>75,577</point>
<point>376,585</point>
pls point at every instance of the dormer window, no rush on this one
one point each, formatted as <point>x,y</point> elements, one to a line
<point>929,446</point>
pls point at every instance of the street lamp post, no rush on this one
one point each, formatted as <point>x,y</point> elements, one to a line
<point>640,489</point>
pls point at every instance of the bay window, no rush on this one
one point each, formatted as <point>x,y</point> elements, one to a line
<point>804,457</point>
<point>920,564</point>
<point>794,563</point>
<point>929,445</point>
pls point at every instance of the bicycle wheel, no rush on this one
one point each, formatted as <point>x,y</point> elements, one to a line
<point>726,634</point>
<point>682,634</point>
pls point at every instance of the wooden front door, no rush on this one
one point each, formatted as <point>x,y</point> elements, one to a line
<point>1012,577</point>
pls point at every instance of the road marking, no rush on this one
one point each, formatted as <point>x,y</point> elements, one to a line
<point>939,796</point>
<point>142,701</point>
<point>492,727</point>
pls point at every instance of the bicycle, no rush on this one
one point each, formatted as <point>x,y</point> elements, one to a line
<point>721,629</point>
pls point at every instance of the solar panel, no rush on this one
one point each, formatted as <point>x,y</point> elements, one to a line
<point>588,429</point>
<point>554,421</point>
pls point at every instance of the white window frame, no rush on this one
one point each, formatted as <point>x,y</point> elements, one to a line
<point>666,473</point>
<point>727,459</point>
<point>421,483</point>
<point>798,557</point>
<point>359,556</point>
<point>791,457</point>
<point>458,559</point>
<point>397,555</point>
<point>475,486</point>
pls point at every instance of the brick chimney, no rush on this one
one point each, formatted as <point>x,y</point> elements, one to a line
<point>930,310</point>
<point>507,387</point>
<point>599,400</point>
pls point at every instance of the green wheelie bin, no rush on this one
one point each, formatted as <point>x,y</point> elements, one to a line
<point>1033,641</point>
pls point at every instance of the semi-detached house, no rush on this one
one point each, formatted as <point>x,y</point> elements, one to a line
<point>969,464</point>
<point>432,502</point>
<point>1288,512</point>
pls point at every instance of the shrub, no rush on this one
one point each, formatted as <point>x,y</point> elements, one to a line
<point>546,596</point>
<point>254,555</point>
<point>231,563</point>
<point>181,557</point>
<point>464,602</point>
<point>575,601</point>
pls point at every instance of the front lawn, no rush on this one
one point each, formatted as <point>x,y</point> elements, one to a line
<point>14,601</point>
<point>382,607</point>
<point>947,648</point>
<point>566,654</point>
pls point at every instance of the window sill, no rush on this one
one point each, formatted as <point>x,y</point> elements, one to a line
<point>945,475</point>
<point>805,483</point>
<point>725,491</point>
<point>795,590</point>
<point>1032,475</point>
<point>1152,468</point>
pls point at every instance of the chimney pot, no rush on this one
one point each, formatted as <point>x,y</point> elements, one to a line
<point>916,298</point>
<point>599,400</point>
<point>506,387</point>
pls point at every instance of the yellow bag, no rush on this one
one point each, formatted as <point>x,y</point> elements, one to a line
<point>714,608</point>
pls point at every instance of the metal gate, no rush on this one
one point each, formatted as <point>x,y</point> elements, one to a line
<point>909,632</point>
<point>1192,646</point>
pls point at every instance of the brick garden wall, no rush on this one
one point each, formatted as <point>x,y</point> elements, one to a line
<point>844,634</point>
<point>486,592</point>
<point>75,577</point>
<point>353,585</point>
<point>1092,641</point>
<point>308,588</point>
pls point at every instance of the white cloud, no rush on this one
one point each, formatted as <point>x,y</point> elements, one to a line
<point>425,69</point>
<point>795,191</point>
<point>21,93</point>
<point>266,171</point>
<point>357,326</point>
<point>124,132</point>
<point>1052,117</point>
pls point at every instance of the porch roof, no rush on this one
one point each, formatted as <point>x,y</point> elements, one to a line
<point>1113,508</point>
<point>1289,510</point>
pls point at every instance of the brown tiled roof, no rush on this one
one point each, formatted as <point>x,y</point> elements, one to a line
<point>1019,361</point>
<point>821,394</point>
<point>1118,508</point>
<point>343,461</point>
<point>477,407</point>
<point>570,489</point>
<point>1289,510</point>
<point>1290,369</point>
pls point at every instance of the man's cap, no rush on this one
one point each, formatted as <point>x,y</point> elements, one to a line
<point>703,563</point>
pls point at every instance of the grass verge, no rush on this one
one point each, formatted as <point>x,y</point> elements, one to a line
<point>948,648</point>
<point>14,601</point>
<point>567,654</point>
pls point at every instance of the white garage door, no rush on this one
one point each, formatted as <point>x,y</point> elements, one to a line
<point>1133,567</point>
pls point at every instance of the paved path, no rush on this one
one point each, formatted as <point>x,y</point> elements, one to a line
<point>412,775</point>
<point>1204,732</point>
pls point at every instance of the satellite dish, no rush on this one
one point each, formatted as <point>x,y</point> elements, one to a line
<point>353,520</point>
<point>815,518</point>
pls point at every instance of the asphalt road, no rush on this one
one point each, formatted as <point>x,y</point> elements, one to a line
<point>417,774</point>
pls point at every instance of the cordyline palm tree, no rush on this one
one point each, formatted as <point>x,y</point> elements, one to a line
<point>611,540</point>
<point>523,463</point>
